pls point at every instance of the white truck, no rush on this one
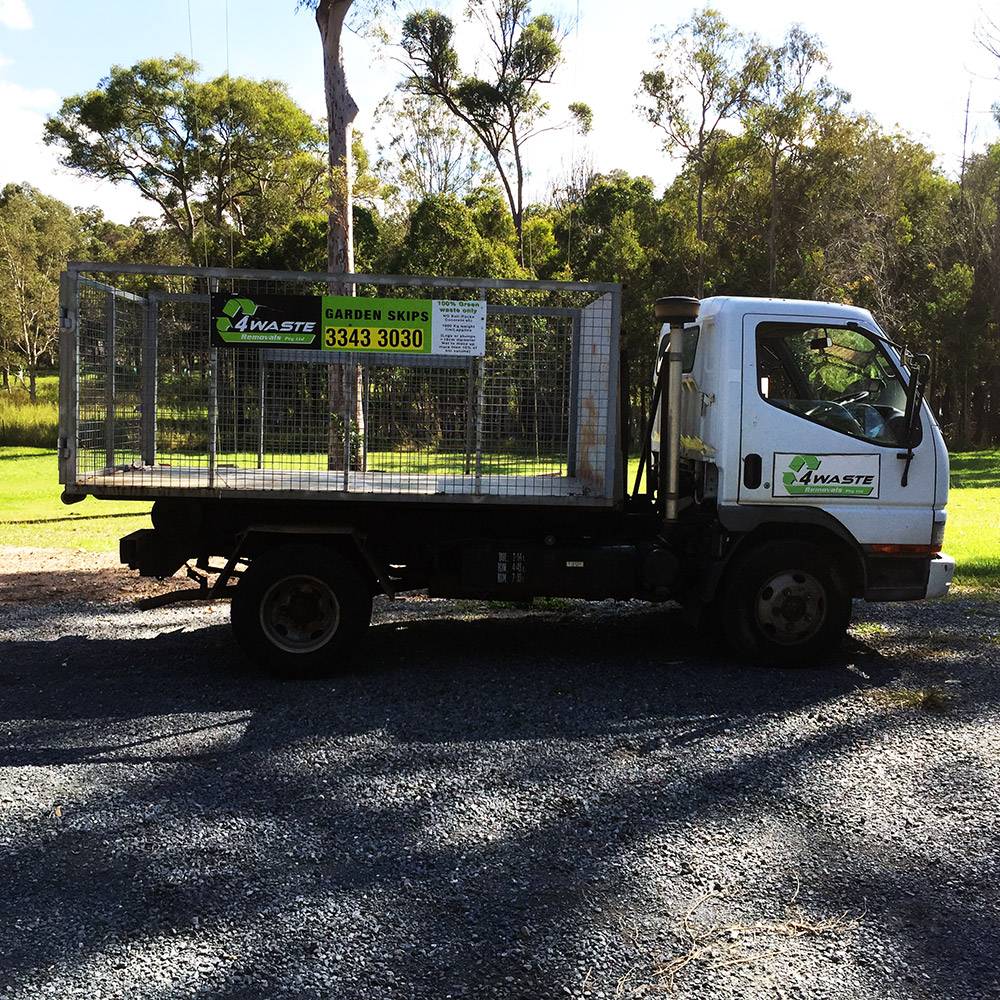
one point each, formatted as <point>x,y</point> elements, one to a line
<point>324,445</point>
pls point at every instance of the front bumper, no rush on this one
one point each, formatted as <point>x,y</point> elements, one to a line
<point>907,578</point>
<point>942,572</point>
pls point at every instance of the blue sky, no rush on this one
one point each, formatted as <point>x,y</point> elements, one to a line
<point>903,62</point>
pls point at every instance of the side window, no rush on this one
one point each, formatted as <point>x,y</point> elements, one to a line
<point>833,376</point>
<point>690,348</point>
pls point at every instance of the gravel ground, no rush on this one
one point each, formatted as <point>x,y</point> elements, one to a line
<point>571,800</point>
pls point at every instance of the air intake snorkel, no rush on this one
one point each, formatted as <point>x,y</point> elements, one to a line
<point>673,311</point>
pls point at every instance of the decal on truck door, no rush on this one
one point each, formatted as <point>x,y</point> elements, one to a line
<point>808,475</point>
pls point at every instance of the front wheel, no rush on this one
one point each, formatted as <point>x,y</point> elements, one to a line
<point>299,611</point>
<point>785,603</point>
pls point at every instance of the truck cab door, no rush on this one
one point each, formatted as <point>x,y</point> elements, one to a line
<point>823,427</point>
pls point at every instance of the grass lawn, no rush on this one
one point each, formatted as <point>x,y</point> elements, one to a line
<point>973,532</point>
<point>25,423</point>
<point>31,513</point>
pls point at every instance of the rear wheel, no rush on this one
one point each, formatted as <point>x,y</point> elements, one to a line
<point>785,603</point>
<point>300,611</point>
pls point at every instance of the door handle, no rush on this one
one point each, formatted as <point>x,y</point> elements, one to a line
<point>752,470</point>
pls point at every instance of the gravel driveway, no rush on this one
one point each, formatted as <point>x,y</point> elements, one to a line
<point>568,801</point>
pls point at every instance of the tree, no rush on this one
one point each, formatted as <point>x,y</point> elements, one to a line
<point>37,237</point>
<point>506,110</point>
<point>429,151</point>
<point>445,238</point>
<point>204,153</point>
<point>784,116</point>
<point>708,73</point>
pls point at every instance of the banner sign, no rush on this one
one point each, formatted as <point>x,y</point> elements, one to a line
<point>801,475</point>
<point>350,324</point>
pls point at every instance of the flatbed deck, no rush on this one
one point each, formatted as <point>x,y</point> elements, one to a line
<point>173,480</point>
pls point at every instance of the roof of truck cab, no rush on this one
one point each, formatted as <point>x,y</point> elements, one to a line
<point>717,305</point>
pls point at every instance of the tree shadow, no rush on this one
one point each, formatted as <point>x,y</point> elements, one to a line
<point>453,816</point>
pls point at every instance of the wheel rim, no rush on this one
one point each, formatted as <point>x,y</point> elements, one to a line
<point>791,607</point>
<point>299,614</point>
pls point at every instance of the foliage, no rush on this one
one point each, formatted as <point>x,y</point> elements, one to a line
<point>37,235</point>
<point>221,159</point>
<point>708,74</point>
<point>443,239</point>
<point>781,190</point>
<point>503,111</point>
<point>23,422</point>
<point>428,152</point>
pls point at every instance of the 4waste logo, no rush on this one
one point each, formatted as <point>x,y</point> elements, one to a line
<point>827,475</point>
<point>283,321</point>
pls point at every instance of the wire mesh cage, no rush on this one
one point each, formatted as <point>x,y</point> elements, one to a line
<point>152,405</point>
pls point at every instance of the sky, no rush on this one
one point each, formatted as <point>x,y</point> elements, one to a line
<point>908,64</point>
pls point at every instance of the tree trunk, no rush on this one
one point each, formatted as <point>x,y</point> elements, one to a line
<point>33,384</point>
<point>966,434</point>
<point>518,209</point>
<point>341,112</point>
<point>772,230</point>
<point>700,234</point>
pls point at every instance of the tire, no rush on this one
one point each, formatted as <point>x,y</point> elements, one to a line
<point>300,611</point>
<point>785,604</point>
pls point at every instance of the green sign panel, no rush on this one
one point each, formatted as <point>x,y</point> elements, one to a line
<point>397,325</point>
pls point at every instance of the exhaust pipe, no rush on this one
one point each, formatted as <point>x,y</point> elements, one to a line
<point>673,311</point>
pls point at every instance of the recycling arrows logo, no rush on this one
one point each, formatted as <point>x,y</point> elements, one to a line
<point>793,484</point>
<point>232,309</point>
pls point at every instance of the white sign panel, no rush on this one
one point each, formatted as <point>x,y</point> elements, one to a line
<point>459,327</point>
<point>801,474</point>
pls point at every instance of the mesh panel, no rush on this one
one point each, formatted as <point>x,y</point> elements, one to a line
<point>159,410</point>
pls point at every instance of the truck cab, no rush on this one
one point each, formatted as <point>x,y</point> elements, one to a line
<point>795,426</point>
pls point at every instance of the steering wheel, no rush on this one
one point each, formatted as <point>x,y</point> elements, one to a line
<point>851,397</point>
<point>873,385</point>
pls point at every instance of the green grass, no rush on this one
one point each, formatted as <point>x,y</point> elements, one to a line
<point>973,536</point>
<point>973,532</point>
<point>31,513</point>
<point>441,463</point>
<point>25,423</point>
<point>975,469</point>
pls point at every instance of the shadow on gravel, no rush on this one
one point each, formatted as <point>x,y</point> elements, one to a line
<point>450,817</point>
<point>536,676</point>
